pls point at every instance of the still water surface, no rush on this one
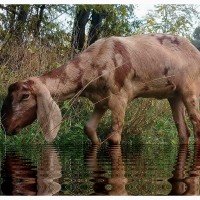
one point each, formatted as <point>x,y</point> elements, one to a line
<point>88,170</point>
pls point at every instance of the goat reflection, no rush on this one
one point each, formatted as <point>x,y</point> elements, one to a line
<point>114,185</point>
<point>20,178</point>
<point>182,184</point>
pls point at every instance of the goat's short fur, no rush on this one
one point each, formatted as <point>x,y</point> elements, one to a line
<point>112,72</point>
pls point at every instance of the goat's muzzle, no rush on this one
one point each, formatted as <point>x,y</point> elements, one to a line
<point>5,115</point>
<point>11,125</point>
<point>10,128</point>
<point>8,125</point>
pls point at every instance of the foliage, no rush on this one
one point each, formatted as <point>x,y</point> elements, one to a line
<point>92,22</point>
<point>34,21</point>
<point>117,19</point>
<point>142,125</point>
<point>120,20</point>
<point>37,38</point>
<point>171,18</point>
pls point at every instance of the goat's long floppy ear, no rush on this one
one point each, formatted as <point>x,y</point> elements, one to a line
<point>48,112</point>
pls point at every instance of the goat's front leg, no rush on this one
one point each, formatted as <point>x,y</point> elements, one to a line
<point>117,105</point>
<point>178,112</point>
<point>91,126</point>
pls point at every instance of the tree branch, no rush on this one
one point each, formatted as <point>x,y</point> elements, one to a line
<point>8,9</point>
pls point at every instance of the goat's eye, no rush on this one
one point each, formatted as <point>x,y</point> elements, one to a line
<point>25,96</point>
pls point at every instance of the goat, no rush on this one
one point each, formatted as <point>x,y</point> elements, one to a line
<point>112,72</point>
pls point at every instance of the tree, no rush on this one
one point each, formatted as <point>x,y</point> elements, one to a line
<point>32,27</point>
<point>102,21</point>
<point>120,21</point>
<point>38,19</point>
<point>37,25</point>
<point>171,18</point>
<point>196,33</point>
<point>80,21</point>
<point>196,38</point>
<point>20,22</point>
<point>95,26</point>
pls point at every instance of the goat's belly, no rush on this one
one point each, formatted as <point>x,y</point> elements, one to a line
<point>96,98</point>
<point>159,93</point>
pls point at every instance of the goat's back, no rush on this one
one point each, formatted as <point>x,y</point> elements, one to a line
<point>146,57</point>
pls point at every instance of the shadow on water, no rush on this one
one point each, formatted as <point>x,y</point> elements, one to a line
<point>21,177</point>
<point>183,182</point>
<point>107,170</point>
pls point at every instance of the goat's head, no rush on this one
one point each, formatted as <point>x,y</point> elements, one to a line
<point>27,101</point>
<point>19,107</point>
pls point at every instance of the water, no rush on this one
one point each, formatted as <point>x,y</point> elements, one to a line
<point>89,170</point>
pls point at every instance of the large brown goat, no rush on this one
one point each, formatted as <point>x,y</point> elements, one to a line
<point>112,72</point>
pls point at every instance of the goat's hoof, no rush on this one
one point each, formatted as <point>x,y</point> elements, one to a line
<point>114,139</point>
<point>96,143</point>
<point>183,141</point>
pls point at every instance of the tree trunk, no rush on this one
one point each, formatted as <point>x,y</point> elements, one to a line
<point>11,16</point>
<point>21,21</point>
<point>39,21</point>
<point>95,27</point>
<point>78,35</point>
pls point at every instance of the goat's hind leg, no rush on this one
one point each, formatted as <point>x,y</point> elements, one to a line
<point>191,102</point>
<point>91,126</point>
<point>178,112</point>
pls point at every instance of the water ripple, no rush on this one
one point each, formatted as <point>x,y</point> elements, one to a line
<point>93,170</point>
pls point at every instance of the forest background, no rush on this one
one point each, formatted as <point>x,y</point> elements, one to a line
<point>35,39</point>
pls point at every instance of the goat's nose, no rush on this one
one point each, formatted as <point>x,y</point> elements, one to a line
<point>9,129</point>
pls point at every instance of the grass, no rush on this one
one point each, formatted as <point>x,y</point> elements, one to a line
<point>144,125</point>
<point>147,121</point>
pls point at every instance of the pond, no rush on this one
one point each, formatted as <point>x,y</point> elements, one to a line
<point>81,169</point>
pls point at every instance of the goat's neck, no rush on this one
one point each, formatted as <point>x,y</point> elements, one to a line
<point>63,82</point>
